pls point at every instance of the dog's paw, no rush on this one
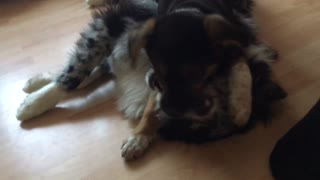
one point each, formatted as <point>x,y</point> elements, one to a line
<point>262,52</point>
<point>40,101</point>
<point>37,82</point>
<point>135,146</point>
<point>95,2</point>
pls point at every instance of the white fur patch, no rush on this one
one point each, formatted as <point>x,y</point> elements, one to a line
<point>135,146</point>
<point>132,90</point>
<point>37,82</point>
<point>261,52</point>
<point>40,101</point>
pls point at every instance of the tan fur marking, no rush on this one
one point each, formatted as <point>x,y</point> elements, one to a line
<point>147,124</point>
<point>139,38</point>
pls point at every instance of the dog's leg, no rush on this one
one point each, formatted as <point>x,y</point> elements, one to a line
<point>37,82</point>
<point>40,101</point>
<point>240,100</point>
<point>90,49</point>
<point>143,134</point>
<point>40,80</point>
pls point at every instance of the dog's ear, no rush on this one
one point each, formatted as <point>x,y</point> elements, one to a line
<point>221,31</point>
<point>215,25</point>
<point>225,37</point>
<point>139,37</point>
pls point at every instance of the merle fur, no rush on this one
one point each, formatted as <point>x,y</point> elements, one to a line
<point>98,40</point>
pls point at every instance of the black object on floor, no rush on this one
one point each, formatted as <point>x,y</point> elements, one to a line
<point>297,155</point>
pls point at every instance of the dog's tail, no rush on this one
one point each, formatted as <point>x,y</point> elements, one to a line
<point>137,10</point>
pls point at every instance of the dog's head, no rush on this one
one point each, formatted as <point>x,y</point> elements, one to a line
<point>187,52</point>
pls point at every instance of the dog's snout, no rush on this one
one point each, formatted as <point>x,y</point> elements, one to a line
<point>204,106</point>
<point>172,112</point>
<point>173,108</point>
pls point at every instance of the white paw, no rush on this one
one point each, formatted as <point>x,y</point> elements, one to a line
<point>135,146</point>
<point>37,82</point>
<point>95,2</point>
<point>40,101</point>
<point>262,52</point>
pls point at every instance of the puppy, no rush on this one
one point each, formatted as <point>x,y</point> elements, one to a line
<point>201,52</point>
<point>194,73</point>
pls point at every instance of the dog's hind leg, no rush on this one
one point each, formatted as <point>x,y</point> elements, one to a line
<point>90,49</point>
<point>37,82</point>
<point>40,80</point>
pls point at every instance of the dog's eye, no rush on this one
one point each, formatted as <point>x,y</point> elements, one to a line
<point>157,85</point>
<point>153,81</point>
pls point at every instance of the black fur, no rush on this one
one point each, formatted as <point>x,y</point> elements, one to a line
<point>180,40</point>
<point>265,92</point>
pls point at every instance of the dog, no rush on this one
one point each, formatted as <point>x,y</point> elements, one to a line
<point>188,70</point>
<point>211,72</point>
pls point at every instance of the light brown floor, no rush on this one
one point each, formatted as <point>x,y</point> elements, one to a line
<point>35,36</point>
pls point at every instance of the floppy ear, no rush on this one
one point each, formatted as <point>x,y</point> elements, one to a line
<point>221,31</point>
<point>139,37</point>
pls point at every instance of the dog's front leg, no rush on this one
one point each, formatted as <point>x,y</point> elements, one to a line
<point>143,134</point>
<point>240,100</point>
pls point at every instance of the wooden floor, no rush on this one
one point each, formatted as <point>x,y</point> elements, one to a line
<point>76,141</point>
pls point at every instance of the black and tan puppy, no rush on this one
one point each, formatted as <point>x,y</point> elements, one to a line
<point>207,74</point>
<point>208,64</point>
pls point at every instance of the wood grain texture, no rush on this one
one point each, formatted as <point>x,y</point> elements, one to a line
<point>77,141</point>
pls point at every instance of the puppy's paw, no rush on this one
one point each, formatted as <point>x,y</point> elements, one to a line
<point>37,82</point>
<point>40,101</point>
<point>135,146</point>
<point>262,52</point>
<point>95,2</point>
